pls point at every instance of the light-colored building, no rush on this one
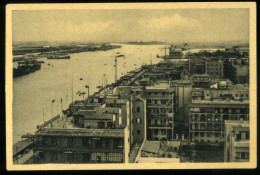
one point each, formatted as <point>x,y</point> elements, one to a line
<point>237,141</point>
<point>209,110</point>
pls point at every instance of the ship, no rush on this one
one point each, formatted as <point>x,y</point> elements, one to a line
<point>185,47</point>
<point>58,57</point>
<point>174,53</point>
<point>26,67</point>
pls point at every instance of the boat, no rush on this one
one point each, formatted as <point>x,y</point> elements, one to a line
<point>26,67</point>
<point>58,57</point>
<point>81,79</point>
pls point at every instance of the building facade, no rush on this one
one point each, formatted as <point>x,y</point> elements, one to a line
<point>160,111</point>
<point>236,147</point>
<point>210,109</point>
<point>214,68</point>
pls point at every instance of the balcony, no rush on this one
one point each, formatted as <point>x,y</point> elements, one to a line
<point>151,126</point>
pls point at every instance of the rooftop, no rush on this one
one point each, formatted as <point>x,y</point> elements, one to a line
<point>81,132</point>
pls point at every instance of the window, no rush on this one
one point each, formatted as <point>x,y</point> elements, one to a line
<point>207,95</point>
<point>86,157</point>
<point>53,142</point>
<point>138,132</point>
<point>138,109</point>
<point>155,132</point>
<point>163,132</point>
<point>138,120</point>
<point>70,143</point>
<point>109,124</point>
<point>246,95</point>
<point>115,157</point>
<point>202,134</point>
<point>85,142</point>
<point>242,95</point>
<point>101,125</point>
<point>208,134</point>
<point>236,95</point>
<point>54,157</point>
<point>68,158</point>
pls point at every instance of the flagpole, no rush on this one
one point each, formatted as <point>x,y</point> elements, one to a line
<point>61,104</point>
<point>43,112</point>
<point>72,90</point>
<point>57,107</point>
<point>52,109</point>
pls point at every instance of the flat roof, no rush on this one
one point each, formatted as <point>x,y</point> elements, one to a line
<point>81,132</point>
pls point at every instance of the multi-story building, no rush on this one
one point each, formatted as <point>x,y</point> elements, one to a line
<point>214,68</point>
<point>175,53</point>
<point>210,108</point>
<point>160,108</point>
<point>62,141</point>
<point>236,145</point>
<point>139,119</point>
<point>197,65</point>
<point>200,81</point>
<point>181,102</point>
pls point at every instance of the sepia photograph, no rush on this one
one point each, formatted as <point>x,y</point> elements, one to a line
<point>131,86</point>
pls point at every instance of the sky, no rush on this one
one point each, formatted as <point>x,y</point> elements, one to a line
<point>121,25</point>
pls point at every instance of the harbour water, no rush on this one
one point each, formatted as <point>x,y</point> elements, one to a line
<point>33,93</point>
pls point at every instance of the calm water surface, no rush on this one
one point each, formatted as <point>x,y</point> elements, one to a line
<point>33,93</point>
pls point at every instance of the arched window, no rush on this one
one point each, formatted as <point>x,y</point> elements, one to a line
<point>202,126</point>
<point>202,118</point>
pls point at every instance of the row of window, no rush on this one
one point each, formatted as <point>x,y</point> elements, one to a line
<point>159,101</point>
<point>196,134</point>
<point>78,143</point>
<point>162,110</point>
<point>220,64</point>
<point>213,69</point>
<point>220,110</point>
<point>159,93</point>
<point>214,73</point>
<point>99,157</point>
<point>208,141</point>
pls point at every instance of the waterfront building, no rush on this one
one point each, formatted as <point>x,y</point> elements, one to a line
<point>160,111</point>
<point>236,145</point>
<point>210,108</point>
<point>175,53</point>
<point>63,141</point>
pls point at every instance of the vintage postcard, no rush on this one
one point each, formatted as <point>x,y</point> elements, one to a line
<point>131,86</point>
